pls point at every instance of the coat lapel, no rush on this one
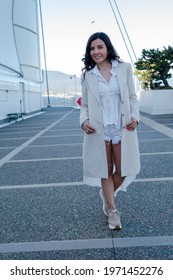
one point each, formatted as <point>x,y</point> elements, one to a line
<point>92,84</point>
<point>120,77</point>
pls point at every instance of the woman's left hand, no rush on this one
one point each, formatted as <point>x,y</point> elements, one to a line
<point>132,125</point>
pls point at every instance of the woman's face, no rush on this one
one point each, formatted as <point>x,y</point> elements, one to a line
<point>98,51</point>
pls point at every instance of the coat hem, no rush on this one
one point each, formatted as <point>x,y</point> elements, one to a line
<point>96,182</point>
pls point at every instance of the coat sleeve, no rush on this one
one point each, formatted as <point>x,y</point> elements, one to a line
<point>84,106</point>
<point>134,106</point>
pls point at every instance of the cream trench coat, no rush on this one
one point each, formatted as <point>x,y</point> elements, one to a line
<point>94,152</point>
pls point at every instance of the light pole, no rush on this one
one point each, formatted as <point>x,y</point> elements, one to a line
<point>75,80</point>
<point>71,77</point>
<point>44,52</point>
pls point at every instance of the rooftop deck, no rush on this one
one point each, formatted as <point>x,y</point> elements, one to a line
<point>46,212</point>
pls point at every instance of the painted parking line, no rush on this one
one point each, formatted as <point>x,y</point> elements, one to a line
<point>21,147</point>
<point>74,184</point>
<point>86,244</point>
<point>160,127</point>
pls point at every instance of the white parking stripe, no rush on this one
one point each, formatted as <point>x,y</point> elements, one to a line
<point>157,126</point>
<point>86,244</point>
<point>21,147</point>
<point>63,184</point>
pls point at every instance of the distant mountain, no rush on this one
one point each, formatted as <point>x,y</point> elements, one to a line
<point>61,82</point>
<point>64,83</point>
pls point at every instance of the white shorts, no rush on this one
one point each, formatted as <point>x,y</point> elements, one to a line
<point>111,133</point>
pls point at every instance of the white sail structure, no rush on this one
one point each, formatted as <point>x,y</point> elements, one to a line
<point>8,53</point>
<point>20,69</point>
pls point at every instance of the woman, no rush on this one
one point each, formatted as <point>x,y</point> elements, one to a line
<point>109,116</point>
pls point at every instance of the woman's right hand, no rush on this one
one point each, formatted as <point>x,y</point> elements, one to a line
<point>87,127</point>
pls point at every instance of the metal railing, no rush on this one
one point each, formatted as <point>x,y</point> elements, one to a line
<point>61,101</point>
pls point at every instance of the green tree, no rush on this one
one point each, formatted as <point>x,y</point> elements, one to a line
<point>145,78</point>
<point>153,68</point>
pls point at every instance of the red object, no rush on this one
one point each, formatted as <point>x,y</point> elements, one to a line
<point>79,101</point>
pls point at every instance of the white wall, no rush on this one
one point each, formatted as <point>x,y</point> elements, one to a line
<point>15,98</point>
<point>156,102</point>
<point>33,99</point>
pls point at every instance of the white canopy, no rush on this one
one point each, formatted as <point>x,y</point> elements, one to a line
<point>19,37</point>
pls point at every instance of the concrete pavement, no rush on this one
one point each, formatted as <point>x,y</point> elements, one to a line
<point>46,212</point>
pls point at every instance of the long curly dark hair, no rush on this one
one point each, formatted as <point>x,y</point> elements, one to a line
<point>112,54</point>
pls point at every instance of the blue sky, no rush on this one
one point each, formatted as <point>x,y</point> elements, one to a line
<point>68,24</point>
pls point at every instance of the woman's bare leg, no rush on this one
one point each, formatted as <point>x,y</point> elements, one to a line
<point>108,184</point>
<point>108,190</point>
<point>117,178</point>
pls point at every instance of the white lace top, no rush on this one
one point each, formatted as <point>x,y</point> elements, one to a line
<point>109,93</point>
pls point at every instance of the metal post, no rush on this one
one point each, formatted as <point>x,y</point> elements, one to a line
<point>22,97</point>
<point>44,51</point>
<point>75,84</point>
<point>75,80</point>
